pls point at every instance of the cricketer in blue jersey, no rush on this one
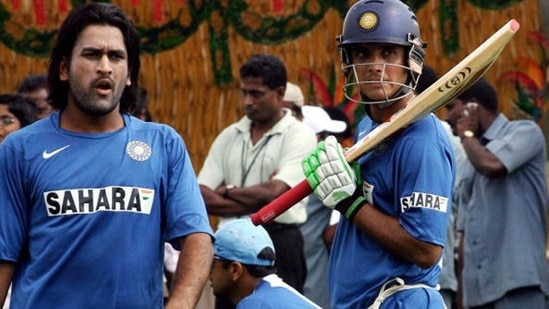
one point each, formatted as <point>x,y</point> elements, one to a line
<point>90,194</point>
<point>395,200</point>
<point>244,270</point>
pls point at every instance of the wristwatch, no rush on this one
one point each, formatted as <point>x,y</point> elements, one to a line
<point>468,133</point>
<point>227,188</point>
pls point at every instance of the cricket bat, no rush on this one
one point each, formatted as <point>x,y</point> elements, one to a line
<point>446,88</point>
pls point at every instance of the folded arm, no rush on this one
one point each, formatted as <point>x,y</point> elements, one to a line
<point>240,201</point>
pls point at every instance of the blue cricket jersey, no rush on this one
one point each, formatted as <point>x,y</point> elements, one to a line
<point>86,216</point>
<point>273,293</point>
<point>409,176</point>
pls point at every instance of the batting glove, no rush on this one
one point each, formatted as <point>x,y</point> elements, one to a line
<point>332,179</point>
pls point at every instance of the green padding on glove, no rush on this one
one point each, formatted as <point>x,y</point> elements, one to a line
<point>332,179</point>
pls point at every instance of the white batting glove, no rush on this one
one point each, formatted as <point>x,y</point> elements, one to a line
<point>332,179</point>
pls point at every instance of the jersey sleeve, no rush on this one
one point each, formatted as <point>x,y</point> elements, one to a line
<point>184,206</point>
<point>424,188</point>
<point>13,218</point>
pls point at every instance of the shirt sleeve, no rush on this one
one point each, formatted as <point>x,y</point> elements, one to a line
<point>184,205</point>
<point>513,150</point>
<point>424,188</point>
<point>14,204</point>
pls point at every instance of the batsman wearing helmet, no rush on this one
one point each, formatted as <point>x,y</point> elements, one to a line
<point>395,200</point>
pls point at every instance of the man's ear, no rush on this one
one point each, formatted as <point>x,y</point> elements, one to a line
<point>281,91</point>
<point>64,70</point>
<point>236,269</point>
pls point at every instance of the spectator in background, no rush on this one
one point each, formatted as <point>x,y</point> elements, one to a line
<point>318,119</point>
<point>243,270</point>
<point>293,100</point>
<point>345,137</point>
<point>16,112</point>
<point>35,87</point>
<point>502,204</point>
<point>256,159</point>
<point>318,216</point>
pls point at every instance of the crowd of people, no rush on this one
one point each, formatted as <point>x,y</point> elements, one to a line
<point>102,208</point>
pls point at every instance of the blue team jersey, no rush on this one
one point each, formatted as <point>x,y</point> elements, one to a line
<point>85,216</point>
<point>410,176</point>
<point>272,293</point>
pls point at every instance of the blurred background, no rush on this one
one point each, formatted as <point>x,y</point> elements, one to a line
<point>192,50</point>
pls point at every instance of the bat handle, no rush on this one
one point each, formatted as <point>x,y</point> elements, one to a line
<point>282,203</point>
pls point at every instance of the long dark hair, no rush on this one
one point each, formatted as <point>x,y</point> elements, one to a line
<point>93,14</point>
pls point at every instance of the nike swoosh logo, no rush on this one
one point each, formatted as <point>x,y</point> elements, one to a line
<point>47,155</point>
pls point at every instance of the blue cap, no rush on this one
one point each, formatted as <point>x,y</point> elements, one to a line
<point>241,241</point>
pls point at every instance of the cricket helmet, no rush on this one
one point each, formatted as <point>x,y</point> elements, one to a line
<point>386,22</point>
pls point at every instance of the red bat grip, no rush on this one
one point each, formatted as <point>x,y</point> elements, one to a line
<point>282,203</point>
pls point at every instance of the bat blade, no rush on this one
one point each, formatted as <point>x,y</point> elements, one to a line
<point>446,88</point>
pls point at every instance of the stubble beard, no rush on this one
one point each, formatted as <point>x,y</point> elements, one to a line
<point>91,103</point>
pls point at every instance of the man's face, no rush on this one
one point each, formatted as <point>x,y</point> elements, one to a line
<point>379,69</point>
<point>261,104</point>
<point>98,70</point>
<point>8,122</point>
<point>454,111</point>
<point>220,279</point>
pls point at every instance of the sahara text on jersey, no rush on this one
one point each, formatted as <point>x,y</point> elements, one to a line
<point>425,200</point>
<point>91,200</point>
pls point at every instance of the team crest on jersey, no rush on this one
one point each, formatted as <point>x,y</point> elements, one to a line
<point>138,150</point>
<point>424,200</point>
<point>368,21</point>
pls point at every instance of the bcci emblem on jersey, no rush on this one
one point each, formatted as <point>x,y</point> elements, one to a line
<point>138,150</point>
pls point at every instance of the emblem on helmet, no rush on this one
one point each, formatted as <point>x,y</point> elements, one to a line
<point>368,21</point>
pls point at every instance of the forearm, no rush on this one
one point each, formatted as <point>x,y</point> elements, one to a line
<point>484,161</point>
<point>6,273</point>
<point>193,269</point>
<point>241,200</point>
<point>257,196</point>
<point>388,233</point>
<point>219,205</point>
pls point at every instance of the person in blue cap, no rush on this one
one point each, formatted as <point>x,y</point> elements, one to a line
<point>243,269</point>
